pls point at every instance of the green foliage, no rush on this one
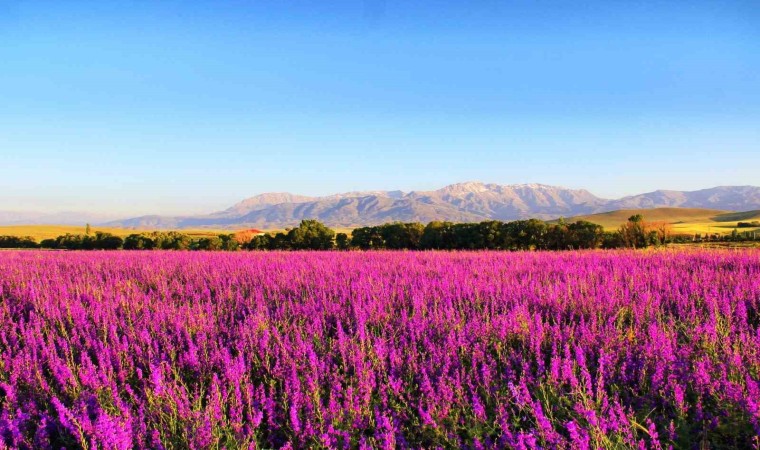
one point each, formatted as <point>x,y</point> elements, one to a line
<point>528,234</point>
<point>100,241</point>
<point>532,234</point>
<point>158,240</point>
<point>107,241</point>
<point>211,243</point>
<point>139,242</point>
<point>438,236</point>
<point>18,242</point>
<point>229,243</point>
<point>754,223</point>
<point>634,233</point>
<point>171,240</point>
<point>367,238</point>
<point>223,242</point>
<point>612,240</point>
<point>402,235</point>
<point>311,235</point>
<point>280,241</point>
<point>394,236</point>
<point>342,242</point>
<point>48,243</point>
<point>261,242</point>
<point>583,234</point>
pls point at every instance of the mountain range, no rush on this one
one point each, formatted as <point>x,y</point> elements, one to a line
<point>461,202</point>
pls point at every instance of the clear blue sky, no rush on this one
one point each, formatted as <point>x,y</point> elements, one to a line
<point>172,106</point>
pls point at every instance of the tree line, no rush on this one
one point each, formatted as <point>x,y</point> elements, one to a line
<point>531,234</point>
<point>158,240</point>
<point>754,223</point>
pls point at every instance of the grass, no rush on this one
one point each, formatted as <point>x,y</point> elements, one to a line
<point>40,232</point>
<point>721,245</point>
<point>708,228</point>
<point>682,220</point>
<point>614,219</point>
<point>739,216</point>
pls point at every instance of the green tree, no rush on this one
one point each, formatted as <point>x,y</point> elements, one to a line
<point>490,234</point>
<point>367,238</point>
<point>261,242</point>
<point>558,236</point>
<point>342,242</point>
<point>612,240</point>
<point>528,234</point>
<point>171,240</point>
<point>633,233</point>
<point>438,236</point>
<point>229,243</point>
<point>280,241</point>
<point>584,234</point>
<point>48,243</point>
<point>18,242</point>
<point>70,241</point>
<point>104,241</point>
<point>468,236</point>
<point>139,242</point>
<point>208,243</point>
<point>402,235</point>
<point>311,235</point>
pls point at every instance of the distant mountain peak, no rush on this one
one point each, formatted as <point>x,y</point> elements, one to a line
<point>468,187</point>
<point>273,198</point>
<point>536,186</point>
<point>262,201</point>
<point>479,186</point>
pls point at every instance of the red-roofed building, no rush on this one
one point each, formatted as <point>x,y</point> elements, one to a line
<point>244,236</point>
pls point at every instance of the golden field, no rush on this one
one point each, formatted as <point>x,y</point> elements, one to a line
<point>41,232</point>
<point>682,220</point>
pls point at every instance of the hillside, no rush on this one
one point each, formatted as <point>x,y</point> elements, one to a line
<point>682,220</point>
<point>746,216</point>
<point>614,219</point>
<point>730,198</point>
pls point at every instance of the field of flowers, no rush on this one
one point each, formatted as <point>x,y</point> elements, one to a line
<point>380,350</point>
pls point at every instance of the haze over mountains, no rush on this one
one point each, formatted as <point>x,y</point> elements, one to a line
<point>461,202</point>
<point>56,218</point>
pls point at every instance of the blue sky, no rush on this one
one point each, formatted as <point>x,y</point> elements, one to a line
<point>182,107</point>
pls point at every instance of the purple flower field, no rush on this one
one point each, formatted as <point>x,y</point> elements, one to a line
<point>380,350</point>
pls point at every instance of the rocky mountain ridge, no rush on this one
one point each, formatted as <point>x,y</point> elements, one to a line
<point>461,202</point>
